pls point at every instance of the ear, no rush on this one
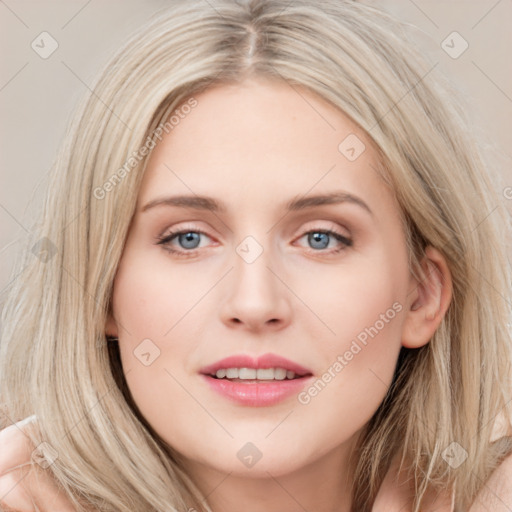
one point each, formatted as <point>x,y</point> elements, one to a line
<point>429,300</point>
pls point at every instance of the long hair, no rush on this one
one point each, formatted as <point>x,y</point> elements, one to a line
<point>56,361</point>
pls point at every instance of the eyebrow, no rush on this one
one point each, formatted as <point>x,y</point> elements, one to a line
<point>301,203</point>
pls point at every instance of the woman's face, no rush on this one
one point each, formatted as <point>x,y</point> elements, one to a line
<point>323,284</point>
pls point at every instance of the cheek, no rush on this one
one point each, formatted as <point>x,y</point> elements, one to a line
<point>359,362</point>
<point>352,325</point>
<point>150,305</point>
<point>150,296</point>
<point>361,301</point>
<point>363,304</point>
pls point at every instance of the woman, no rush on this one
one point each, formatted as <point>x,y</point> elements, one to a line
<point>264,281</point>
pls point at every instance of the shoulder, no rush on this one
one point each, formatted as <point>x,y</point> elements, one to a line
<point>496,494</point>
<point>396,494</point>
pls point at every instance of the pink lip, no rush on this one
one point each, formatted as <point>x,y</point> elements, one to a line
<point>257,394</point>
<point>264,361</point>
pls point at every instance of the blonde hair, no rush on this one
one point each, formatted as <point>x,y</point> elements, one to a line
<point>55,358</point>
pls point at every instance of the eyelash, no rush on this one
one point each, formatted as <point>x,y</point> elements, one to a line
<point>166,239</point>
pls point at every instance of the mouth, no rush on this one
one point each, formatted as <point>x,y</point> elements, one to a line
<point>263,381</point>
<point>252,375</point>
<point>263,368</point>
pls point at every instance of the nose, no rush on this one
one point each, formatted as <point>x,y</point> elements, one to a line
<point>256,298</point>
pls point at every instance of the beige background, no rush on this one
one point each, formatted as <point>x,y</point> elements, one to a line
<point>37,95</point>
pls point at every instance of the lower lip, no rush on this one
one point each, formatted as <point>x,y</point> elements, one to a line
<point>257,394</point>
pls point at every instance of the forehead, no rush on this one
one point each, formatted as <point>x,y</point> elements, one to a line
<point>263,142</point>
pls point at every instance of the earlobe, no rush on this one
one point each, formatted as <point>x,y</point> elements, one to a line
<point>430,298</point>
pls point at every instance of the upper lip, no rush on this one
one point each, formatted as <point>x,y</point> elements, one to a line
<point>263,361</point>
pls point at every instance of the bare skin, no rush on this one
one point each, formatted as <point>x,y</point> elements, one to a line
<point>257,146</point>
<point>19,492</point>
<point>23,489</point>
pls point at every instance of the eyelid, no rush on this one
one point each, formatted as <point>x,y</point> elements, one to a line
<point>184,226</point>
<point>171,233</point>
<point>317,225</point>
<point>333,230</point>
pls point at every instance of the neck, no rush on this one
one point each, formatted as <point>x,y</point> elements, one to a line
<point>323,485</point>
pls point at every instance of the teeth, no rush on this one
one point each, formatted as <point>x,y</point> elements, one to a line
<point>247,373</point>
<point>232,373</point>
<point>280,374</point>
<point>253,374</point>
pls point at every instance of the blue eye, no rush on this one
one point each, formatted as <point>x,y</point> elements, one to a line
<point>319,239</point>
<point>189,241</point>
